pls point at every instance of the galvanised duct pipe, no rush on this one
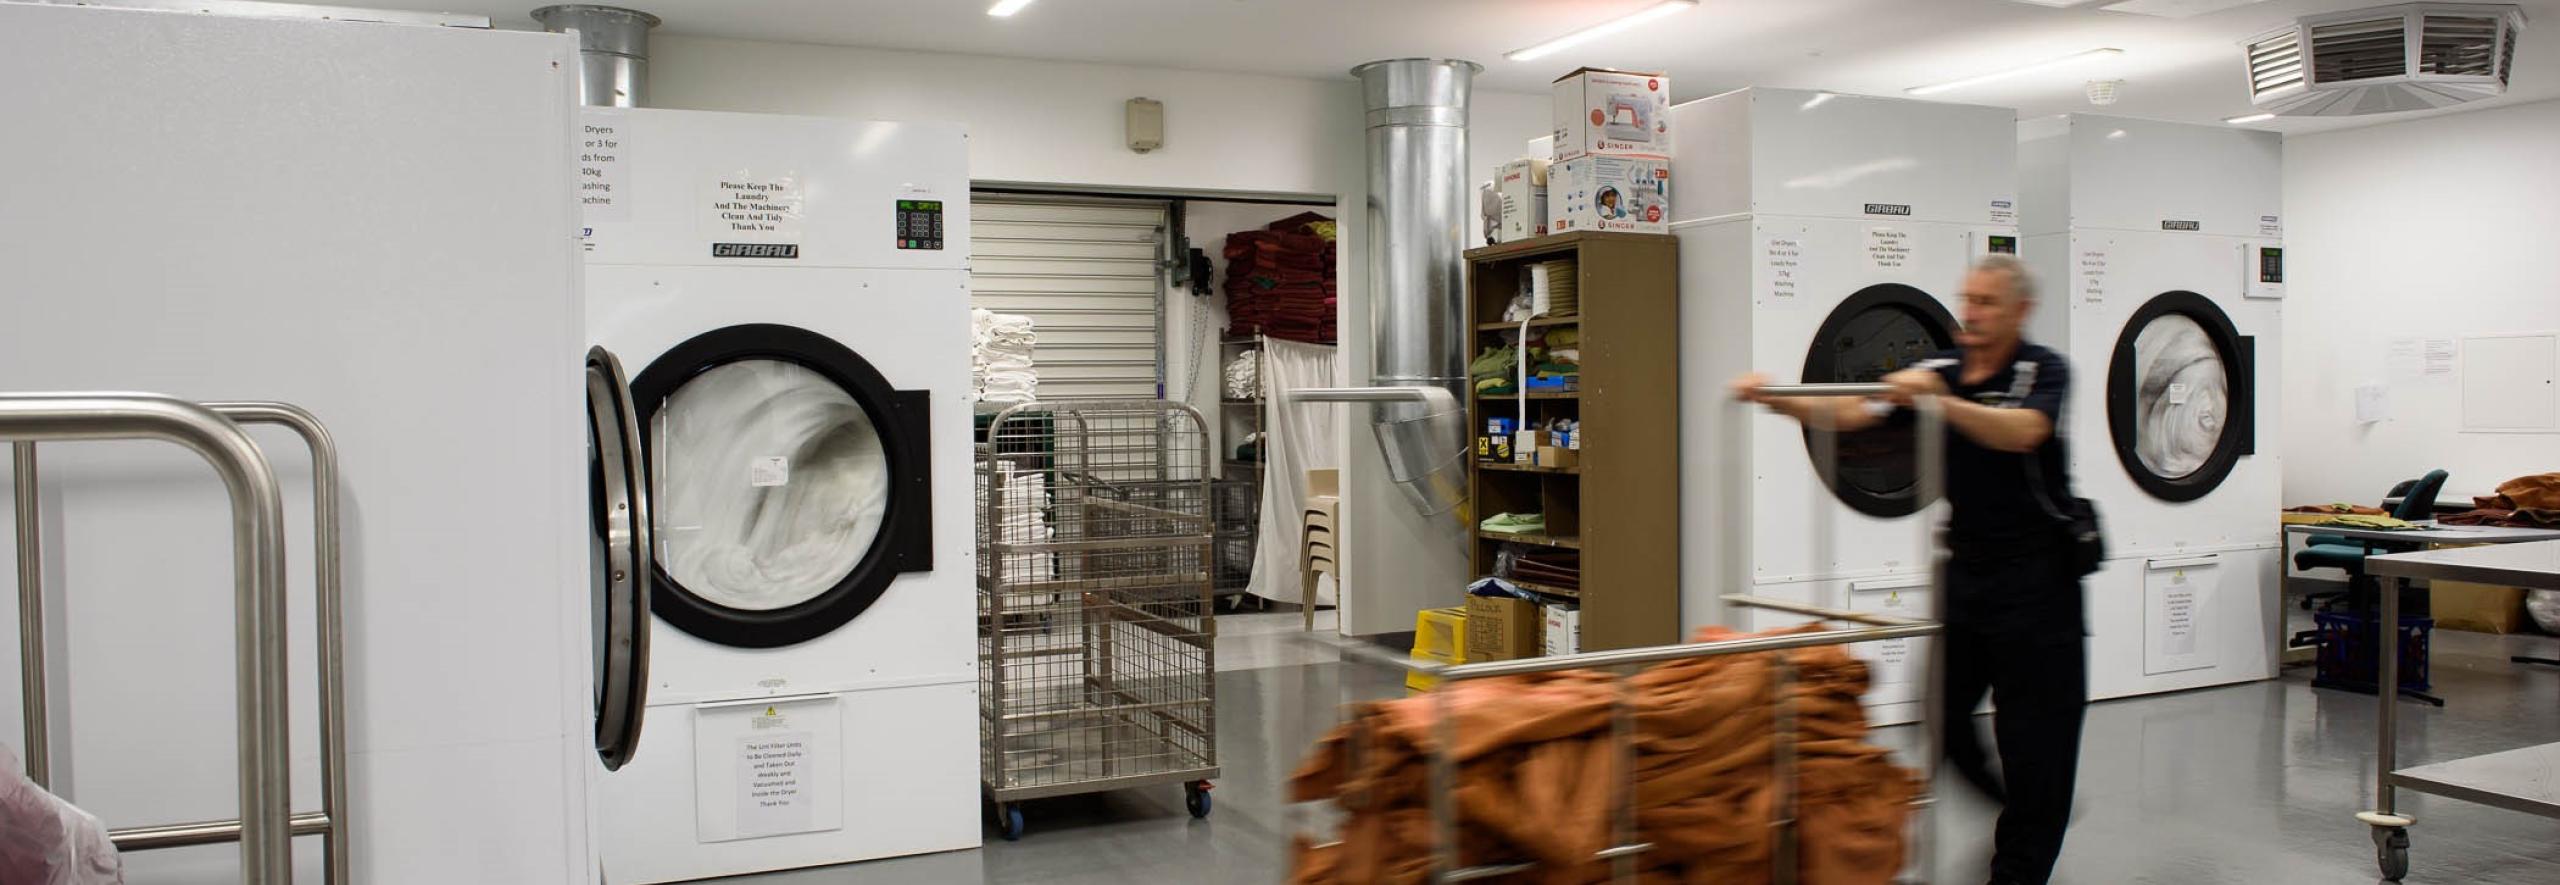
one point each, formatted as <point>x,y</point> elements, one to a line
<point>1418,212</point>
<point>613,51</point>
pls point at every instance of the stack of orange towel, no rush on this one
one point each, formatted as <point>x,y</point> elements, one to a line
<point>1538,776</point>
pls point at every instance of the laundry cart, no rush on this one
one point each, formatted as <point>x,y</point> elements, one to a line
<point>1096,633</point>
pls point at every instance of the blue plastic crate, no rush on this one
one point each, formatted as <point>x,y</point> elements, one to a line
<point>2350,658</point>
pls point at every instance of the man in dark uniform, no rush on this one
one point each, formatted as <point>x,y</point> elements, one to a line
<point>2013,624</point>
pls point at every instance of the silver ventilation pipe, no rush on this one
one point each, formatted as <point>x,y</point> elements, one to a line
<point>1418,213</point>
<point>613,51</point>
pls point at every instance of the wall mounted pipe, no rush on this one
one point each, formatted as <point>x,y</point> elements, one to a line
<point>613,51</point>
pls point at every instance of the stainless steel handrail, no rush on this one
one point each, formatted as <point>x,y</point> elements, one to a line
<point>328,583</point>
<point>257,538</point>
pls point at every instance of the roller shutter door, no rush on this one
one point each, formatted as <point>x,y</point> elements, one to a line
<point>1087,275</point>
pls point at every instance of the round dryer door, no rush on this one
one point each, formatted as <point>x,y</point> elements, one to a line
<point>789,484</point>
<point>2179,402</point>
<point>1878,331</point>
<point>618,512</point>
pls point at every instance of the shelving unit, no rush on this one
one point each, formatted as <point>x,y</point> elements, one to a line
<point>1238,487</point>
<point>1619,508</point>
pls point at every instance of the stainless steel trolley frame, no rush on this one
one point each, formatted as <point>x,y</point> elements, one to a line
<point>266,823</point>
<point>2516,780</point>
<point>1625,845</point>
<point>1097,635</point>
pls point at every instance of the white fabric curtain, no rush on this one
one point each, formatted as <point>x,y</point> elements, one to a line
<point>1296,439</point>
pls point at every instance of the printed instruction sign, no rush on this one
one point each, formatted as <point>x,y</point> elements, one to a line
<point>768,768</point>
<point>2093,276</point>
<point>1784,255</point>
<point>2178,616</point>
<point>604,167</point>
<point>768,472</point>
<point>751,206</point>
<point>1893,660</point>
<point>1888,248</point>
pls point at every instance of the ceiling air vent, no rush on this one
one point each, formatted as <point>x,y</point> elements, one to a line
<point>2408,57</point>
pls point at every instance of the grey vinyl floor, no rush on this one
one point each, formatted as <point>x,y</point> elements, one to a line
<point>2253,784</point>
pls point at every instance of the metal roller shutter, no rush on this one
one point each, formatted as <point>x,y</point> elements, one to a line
<point>1087,274</point>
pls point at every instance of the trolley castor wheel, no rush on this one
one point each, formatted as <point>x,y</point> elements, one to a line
<point>1009,821</point>
<point>1195,796</point>
<point>2391,852</point>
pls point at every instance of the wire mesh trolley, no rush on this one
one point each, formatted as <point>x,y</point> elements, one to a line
<point>1096,633</point>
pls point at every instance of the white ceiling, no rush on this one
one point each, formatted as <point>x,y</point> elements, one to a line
<point>2176,69</point>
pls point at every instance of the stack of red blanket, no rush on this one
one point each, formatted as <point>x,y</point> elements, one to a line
<point>1280,280</point>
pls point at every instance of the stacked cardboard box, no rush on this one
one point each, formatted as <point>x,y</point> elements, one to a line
<point>1613,146</point>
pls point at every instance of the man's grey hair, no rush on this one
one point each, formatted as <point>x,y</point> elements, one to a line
<point>2021,277</point>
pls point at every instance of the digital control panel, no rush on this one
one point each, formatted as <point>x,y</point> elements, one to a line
<point>2271,264</point>
<point>2003,244</point>
<point>919,224</point>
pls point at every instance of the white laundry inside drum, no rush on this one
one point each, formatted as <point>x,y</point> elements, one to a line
<point>771,483</point>
<point>2182,396</point>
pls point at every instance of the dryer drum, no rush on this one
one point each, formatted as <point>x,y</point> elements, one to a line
<point>790,484</point>
<point>1877,331</point>
<point>2180,402</point>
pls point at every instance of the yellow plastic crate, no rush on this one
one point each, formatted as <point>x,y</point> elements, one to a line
<point>1440,636</point>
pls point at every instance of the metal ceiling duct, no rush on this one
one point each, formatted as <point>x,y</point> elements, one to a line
<point>1418,211</point>
<point>2412,56</point>
<point>613,51</point>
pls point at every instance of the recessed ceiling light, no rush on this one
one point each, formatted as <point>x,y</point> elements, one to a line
<point>2248,118</point>
<point>2048,64</point>
<point>1603,29</point>
<point>1006,8</point>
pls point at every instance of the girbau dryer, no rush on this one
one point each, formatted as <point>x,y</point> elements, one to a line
<point>2163,245</point>
<point>792,296</point>
<point>1821,238</point>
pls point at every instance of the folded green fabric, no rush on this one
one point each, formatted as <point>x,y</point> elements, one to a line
<point>1514,523</point>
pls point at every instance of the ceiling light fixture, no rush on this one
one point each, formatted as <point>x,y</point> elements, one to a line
<point>1603,29</point>
<point>2248,118</point>
<point>1006,8</point>
<point>2048,64</point>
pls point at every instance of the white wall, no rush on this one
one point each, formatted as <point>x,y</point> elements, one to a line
<point>2441,227</point>
<point>1061,123</point>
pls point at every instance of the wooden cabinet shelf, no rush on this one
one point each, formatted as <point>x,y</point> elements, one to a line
<point>1620,509</point>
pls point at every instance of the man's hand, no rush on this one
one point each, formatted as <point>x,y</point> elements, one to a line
<point>1912,384</point>
<point>1747,387</point>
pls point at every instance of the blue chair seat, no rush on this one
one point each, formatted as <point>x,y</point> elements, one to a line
<point>2348,556</point>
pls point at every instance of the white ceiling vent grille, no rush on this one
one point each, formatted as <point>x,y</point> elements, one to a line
<point>2408,57</point>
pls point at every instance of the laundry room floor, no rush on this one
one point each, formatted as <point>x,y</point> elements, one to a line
<point>2254,784</point>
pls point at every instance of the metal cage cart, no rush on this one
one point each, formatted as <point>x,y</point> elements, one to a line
<point>1626,844</point>
<point>1096,632</point>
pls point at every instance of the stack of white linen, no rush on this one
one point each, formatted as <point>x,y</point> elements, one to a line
<point>1000,348</point>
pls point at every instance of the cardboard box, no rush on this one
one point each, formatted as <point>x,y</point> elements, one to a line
<point>1553,457</point>
<point>1563,633</point>
<point>1521,185</point>
<point>2479,608</point>
<point>1600,112</point>
<point>1501,628</point>
<point>1524,446</point>
<point>1609,193</point>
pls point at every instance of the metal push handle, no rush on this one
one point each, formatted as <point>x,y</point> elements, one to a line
<point>327,581</point>
<point>257,565</point>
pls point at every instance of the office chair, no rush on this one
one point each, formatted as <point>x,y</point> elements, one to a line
<point>2417,502</point>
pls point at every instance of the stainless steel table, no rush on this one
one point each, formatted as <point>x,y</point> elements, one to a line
<point>2526,780</point>
<point>2430,533</point>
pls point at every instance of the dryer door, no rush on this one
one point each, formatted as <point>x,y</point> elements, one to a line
<point>789,484</point>
<point>1880,330</point>
<point>2179,402</point>
<point>618,511</point>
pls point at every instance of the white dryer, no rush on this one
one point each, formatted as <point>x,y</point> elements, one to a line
<point>2162,246</point>
<point>1821,239</point>
<point>790,296</point>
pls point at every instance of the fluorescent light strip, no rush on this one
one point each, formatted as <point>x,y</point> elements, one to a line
<point>1006,8</point>
<point>2248,118</point>
<point>1603,29</point>
<point>2047,64</point>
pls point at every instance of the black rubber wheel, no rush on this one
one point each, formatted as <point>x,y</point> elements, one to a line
<point>2391,852</point>
<point>1009,822</point>
<point>1195,796</point>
